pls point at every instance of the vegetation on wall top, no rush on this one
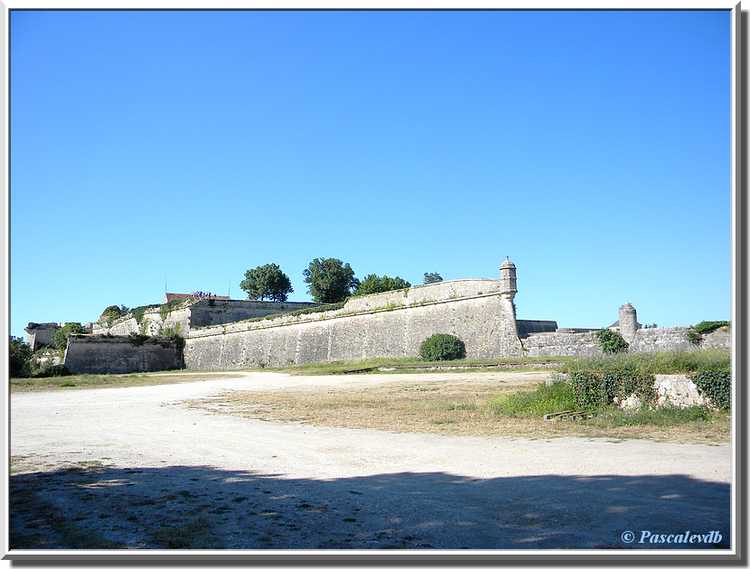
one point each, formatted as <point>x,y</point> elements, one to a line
<point>373,284</point>
<point>267,282</point>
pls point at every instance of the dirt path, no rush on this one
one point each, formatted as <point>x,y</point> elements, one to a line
<point>161,467</point>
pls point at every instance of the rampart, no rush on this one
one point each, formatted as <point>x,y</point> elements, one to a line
<point>562,343</point>
<point>118,354</point>
<point>389,324</point>
<point>182,317</point>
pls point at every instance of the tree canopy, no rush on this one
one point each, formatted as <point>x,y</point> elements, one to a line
<point>430,278</point>
<point>19,357</point>
<point>329,280</point>
<point>267,282</point>
<point>373,283</point>
<point>60,337</point>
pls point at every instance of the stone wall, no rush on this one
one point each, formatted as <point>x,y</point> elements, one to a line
<point>117,354</point>
<point>196,313</point>
<point>40,335</point>
<point>390,324</point>
<point>562,343</point>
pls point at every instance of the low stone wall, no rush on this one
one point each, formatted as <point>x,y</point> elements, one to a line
<point>562,344</point>
<point>391,324</point>
<point>585,344</point>
<point>118,354</point>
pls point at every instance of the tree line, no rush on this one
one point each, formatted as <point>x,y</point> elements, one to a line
<point>328,280</point>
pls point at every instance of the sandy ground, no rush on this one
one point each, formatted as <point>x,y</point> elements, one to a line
<point>255,484</point>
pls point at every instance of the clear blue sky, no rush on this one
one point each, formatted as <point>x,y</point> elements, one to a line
<point>593,148</point>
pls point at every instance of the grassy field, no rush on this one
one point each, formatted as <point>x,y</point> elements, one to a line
<point>418,365</point>
<point>483,406</point>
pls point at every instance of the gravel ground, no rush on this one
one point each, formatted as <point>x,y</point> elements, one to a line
<point>134,467</point>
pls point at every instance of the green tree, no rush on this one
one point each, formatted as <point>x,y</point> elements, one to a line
<point>267,281</point>
<point>60,337</point>
<point>430,278</point>
<point>329,280</point>
<point>373,283</point>
<point>112,313</point>
<point>19,358</point>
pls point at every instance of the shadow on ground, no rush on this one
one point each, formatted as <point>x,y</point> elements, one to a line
<point>202,507</point>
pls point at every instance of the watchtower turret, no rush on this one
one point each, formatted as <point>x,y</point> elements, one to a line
<point>628,321</point>
<point>508,287</point>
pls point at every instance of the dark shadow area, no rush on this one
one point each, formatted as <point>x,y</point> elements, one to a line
<point>177,507</point>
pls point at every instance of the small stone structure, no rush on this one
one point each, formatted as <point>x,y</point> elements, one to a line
<point>121,354</point>
<point>39,335</point>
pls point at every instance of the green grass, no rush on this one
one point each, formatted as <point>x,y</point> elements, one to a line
<point>661,417</point>
<point>560,396</point>
<point>537,403</point>
<point>660,362</point>
<point>418,365</point>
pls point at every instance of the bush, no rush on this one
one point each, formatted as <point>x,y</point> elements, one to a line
<point>656,362</point>
<point>19,358</point>
<point>611,342</point>
<point>442,347</point>
<point>708,326</point>
<point>716,385</point>
<point>695,333</point>
<point>54,371</point>
<point>598,388</point>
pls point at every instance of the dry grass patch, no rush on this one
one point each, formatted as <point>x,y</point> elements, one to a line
<point>94,381</point>
<point>463,407</point>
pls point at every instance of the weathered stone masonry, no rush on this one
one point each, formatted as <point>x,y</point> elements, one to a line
<point>120,354</point>
<point>220,335</point>
<point>391,324</point>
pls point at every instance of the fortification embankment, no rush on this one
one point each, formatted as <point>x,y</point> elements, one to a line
<point>118,354</point>
<point>391,324</point>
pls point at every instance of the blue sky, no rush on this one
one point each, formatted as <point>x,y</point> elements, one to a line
<point>593,148</point>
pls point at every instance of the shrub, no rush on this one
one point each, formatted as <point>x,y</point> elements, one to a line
<point>600,388</point>
<point>694,337</point>
<point>716,385</point>
<point>137,339</point>
<point>442,347</point>
<point>708,326</point>
<point>695,333</point>
<point>139,311</point>
<point>19,356</point>
<point>611,342</point>
<point>54,371</point>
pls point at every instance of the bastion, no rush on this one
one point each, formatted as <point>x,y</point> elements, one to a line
<point>221,334</point>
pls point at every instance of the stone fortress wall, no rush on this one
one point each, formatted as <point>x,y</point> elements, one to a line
<point>190,314</point>
<point>389,324</point>
<point>120,354</point>
<point>237,334</point>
